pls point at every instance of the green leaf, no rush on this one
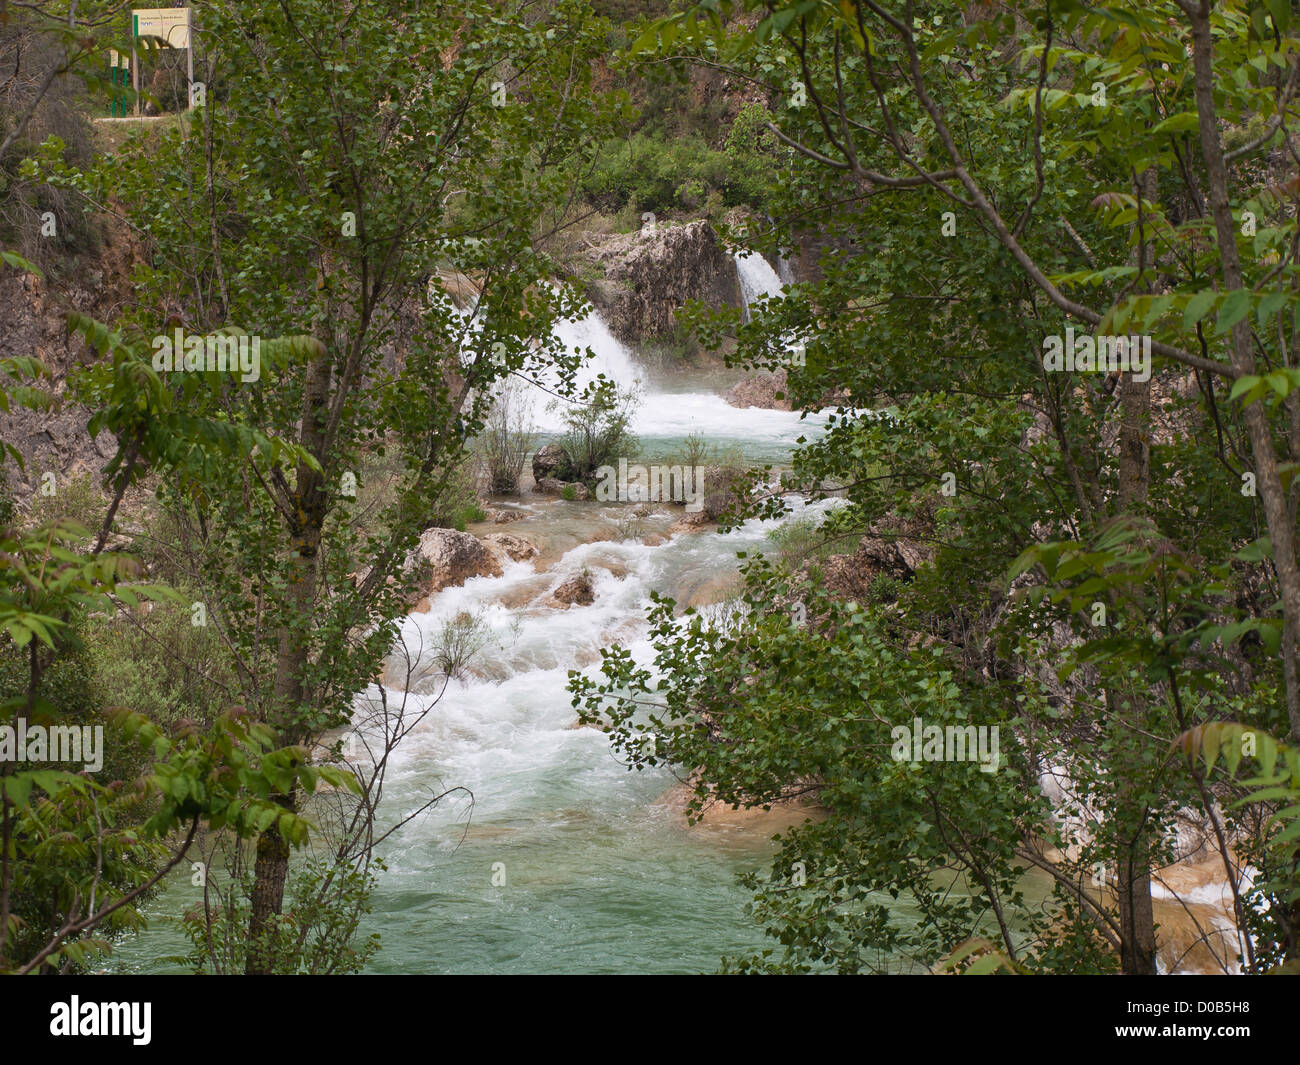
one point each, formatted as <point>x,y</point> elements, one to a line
<point>1198,306</point>
<point>1236,305</point>
<point>1185,122</point>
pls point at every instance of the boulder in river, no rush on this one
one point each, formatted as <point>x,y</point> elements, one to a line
<point>502,516</point>
<point>575,591</point>
<point>551,463</point>
<point>515,548</point>
<point>554,487</point>
<point>453,558</point>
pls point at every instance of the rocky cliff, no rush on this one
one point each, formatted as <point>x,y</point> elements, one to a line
<point>649,274</point>
<point>33,322</point>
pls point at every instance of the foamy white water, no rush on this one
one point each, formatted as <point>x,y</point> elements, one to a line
<point>671,415</point>
<point>757,278</point>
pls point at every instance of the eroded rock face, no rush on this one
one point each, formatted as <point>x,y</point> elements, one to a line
<point>650,274</point>
<point>33,323</point>
<point>576,591</point>
<point>760,391</point>
<point>453,558</point>
<point>892,549</point>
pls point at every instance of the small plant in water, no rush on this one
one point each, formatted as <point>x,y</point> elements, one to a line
<point>461,639</point>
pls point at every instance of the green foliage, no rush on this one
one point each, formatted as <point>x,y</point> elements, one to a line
<point>162,664</point>
<point>439,176</point>
<point>467,514</point>
<point>7,507</point>
<point>316,935</point>
<point>1272,792</point>
<point>78,499</point>
<point>596,428</point>
<point>1141,604</point>
<point>655,172</point>
<point>798,541</point>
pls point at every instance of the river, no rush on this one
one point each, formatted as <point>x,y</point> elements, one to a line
<point>563,861</point>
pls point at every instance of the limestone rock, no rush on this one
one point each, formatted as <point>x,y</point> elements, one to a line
<point>515,548</point>
<point>503,517</point>
<point>760,391</point>
<point>651,273</point>
<point>553,487</point>
<point>575,591</point>
<point>691,521</point>
<point>453,558</point>
<point>551,463</point>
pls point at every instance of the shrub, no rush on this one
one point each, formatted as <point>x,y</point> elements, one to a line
<point>596,429</point>
<point>467,514</point>
<point>653,174</point>
<point>693,451</point>
<point>461,639</point>
<point>507,439</point>
<point>78,498</point>
<point>163,665</point>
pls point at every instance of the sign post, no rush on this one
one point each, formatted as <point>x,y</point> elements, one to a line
<point>173,25</point>
<point>117,69</point>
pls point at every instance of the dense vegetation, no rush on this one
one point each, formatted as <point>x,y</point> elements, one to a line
<point>1103,568</point>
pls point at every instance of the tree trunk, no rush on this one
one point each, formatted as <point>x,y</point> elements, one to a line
<point>308,503</point>
<point>1268,482</point>
<point>1133,869</point>
<point>270,874</point>
<point>1136,915</point>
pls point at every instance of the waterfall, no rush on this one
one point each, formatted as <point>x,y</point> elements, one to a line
<point>611,356</point>
<point>757,279</point>
<point>784,270</point>
<point>670,410</point>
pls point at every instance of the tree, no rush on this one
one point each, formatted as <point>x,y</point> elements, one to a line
<point>290,208</point>
<point>945,181</point>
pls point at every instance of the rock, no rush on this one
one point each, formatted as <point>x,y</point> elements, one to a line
<point>551,463</point>
<point>575,591</point>
<point>552,487</point>
<point>33,322</point>
<point>691,521</point>
<point>453,558</point>
<point>760,391</point>
<point>891,551</point>
<point>651,273</point>
<point>515,548</point>
<point>720,490</point>
<point>501,517</point>
<point>761,388</point>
